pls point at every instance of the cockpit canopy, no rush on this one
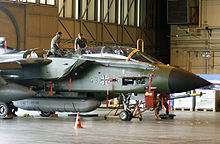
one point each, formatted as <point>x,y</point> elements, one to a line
<point>119,53</point>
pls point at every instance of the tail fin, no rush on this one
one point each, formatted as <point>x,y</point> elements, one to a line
<point>3,47</point>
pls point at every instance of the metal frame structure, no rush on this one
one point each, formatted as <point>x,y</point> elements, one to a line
<point>117,34</point>
<point>133,19</point>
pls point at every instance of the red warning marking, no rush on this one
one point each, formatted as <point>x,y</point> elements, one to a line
<point>30,54</point>
<point>70,80</point>
<point>150,81</point>
<point>109,80</point>
<point>5,46</point>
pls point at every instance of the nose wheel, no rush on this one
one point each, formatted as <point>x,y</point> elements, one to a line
<point>129,112</point>
<point>125,115</point>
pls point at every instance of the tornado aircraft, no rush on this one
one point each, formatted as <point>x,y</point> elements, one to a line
<point>79,82</point>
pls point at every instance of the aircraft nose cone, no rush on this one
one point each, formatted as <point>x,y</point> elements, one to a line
<point>181,80</point>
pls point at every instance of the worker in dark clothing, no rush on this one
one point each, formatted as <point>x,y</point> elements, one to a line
<point>55,49</point>
<point>80,43</point>
<point>158,106</point>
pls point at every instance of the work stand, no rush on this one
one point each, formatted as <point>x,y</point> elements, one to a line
<point>133,111</point>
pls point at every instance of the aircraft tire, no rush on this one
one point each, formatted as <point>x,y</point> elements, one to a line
<point>123,115</point>
<point>4,109</point>
<point>46,114</point>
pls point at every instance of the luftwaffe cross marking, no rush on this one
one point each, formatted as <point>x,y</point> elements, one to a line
<point>104,80</point>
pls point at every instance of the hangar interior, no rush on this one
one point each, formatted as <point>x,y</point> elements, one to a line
<point>181,33</point>
<point>118,23</point>
<point>189,42</point>
<point>102,22</point>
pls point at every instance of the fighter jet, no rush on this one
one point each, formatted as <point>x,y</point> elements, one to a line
<point>78,83</point>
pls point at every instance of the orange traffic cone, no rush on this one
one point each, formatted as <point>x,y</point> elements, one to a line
<point>78,123</point>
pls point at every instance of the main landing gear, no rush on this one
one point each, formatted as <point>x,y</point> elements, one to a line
<point>48,114</point>
<point>7,109</point>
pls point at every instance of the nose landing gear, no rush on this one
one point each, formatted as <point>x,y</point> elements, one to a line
<point>129,112</point>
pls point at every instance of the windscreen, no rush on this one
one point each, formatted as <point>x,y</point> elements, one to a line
<point>139,56</point>
<point>118,52</point>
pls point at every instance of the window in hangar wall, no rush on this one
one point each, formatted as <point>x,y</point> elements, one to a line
<point>47,2</point>
<point>122,12</point>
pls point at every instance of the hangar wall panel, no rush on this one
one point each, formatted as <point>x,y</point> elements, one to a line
<point>187,49</point>
<point>90,35</point>
<point>69,26</point>
<point>41,24</point>
<point>212,13</point>
<point>188,43</point>
<point>36,25</point>
<point>76,28</point>
<point>7,28</point>
<point>98,33</point>
<point>119,34</point>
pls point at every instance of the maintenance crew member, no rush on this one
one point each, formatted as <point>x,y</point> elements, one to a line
<point>80,42</point>
<point>55,49</point>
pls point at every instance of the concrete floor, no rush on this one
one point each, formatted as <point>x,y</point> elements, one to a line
<point>187,127</point>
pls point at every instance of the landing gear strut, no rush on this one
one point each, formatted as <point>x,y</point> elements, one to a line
<point>126,114</point>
